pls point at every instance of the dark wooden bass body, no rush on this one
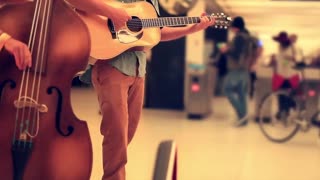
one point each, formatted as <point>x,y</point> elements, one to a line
<point>62,148</point>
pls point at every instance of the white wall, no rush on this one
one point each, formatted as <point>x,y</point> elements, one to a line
<point>195,41</point>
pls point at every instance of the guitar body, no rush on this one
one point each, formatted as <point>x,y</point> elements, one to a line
<point>106,45</point>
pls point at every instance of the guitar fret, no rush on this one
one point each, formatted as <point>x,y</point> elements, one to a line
<point>162,22</point>
<point>198,20</point>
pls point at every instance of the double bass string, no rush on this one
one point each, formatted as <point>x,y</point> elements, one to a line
<point>43,37</point>
<point>25,80</point>
<point>23,76</point>
<point>32,45</point>
<point>37,79</point>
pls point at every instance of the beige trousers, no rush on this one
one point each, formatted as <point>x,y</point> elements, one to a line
<point>121,100</point>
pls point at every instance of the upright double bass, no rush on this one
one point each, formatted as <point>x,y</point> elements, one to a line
<point>40,136</point>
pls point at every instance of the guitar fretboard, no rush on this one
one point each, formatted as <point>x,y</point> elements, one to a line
<point>169,21</point>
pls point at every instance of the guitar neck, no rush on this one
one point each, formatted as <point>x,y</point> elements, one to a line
<point>169,21</point>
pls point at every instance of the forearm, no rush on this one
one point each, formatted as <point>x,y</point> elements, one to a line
<point>92,6</point>
<point>172,33</point>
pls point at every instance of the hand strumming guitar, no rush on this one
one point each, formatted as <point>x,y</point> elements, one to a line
<point>119,17</point>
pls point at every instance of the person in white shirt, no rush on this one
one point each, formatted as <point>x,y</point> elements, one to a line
<point>285,76</point>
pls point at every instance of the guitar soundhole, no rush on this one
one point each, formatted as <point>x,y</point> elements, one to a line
<point>135,24</point>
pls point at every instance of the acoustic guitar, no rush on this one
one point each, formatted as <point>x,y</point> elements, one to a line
<point>142,31</point>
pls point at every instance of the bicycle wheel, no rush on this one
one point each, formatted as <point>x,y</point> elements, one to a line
<point>281,125</point>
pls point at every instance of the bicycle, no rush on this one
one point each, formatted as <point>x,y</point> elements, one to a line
<point>282,126</point>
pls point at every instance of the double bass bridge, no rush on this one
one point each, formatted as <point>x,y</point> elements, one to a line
<point>27,102</point>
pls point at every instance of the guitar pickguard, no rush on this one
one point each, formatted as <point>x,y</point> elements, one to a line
<point>127,37</point>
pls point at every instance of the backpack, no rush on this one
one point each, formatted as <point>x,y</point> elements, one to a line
<point>251,51</point>
<point>254,50</point>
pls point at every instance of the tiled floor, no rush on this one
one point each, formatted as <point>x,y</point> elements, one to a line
<point>209,149</point>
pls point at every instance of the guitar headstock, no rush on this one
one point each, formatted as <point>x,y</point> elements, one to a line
<point>222,21</point>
